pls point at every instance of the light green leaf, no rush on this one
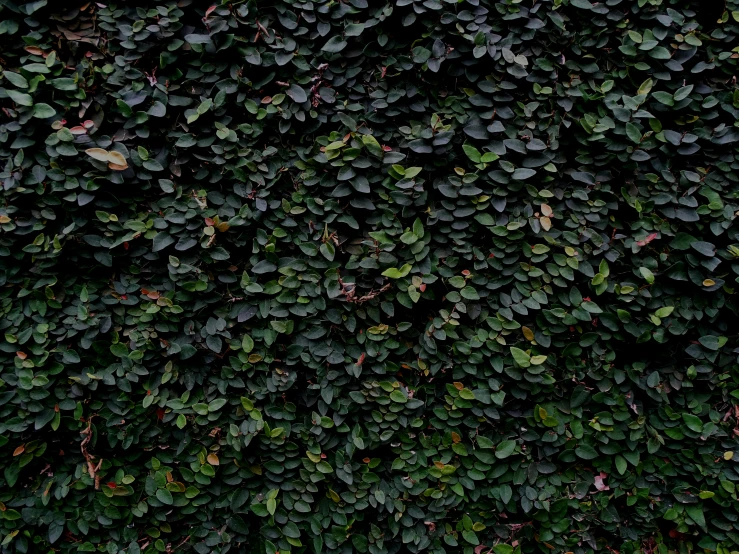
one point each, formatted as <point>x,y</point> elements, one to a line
<point>647,274</point>
<point>520,357</point>
<point>394,273</point>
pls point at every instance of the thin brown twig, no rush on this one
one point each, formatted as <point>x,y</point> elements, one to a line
<point>92,469</point>
<point>348,291</point>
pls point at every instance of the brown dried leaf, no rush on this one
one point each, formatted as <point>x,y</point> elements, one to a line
<point>35,50</point>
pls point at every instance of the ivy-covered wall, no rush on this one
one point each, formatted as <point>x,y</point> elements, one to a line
<point>369,276</point>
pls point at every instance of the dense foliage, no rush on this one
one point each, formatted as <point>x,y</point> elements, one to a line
<point>335,276</point>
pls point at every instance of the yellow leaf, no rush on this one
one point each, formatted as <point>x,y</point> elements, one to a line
<point>213,460</point>
<point>116,167</point>
<point>546,210</point>
<point>18,451</point>
<point>98,154</point>
<point>4,219</point>
<point>728,455</point>
<point>528,333</point>
<point>709,283</point>
<point>546,223</point>
<point>456,438</point>
<point>117,158</point>
<point>333,495</point>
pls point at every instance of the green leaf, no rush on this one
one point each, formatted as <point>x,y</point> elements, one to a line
<point>161,241</point>
<point>394,273</point>
<point>16,79</point>
<point>520,357</point>
<point>695,512</point>
<point>586,452</point>
<point>469,293</point>
<point>328,250</point>
<point>682,93</point>
<point>119,349</point>
<point>124,108</point>
<point>247,344</point>
<point>647,274</point>
<point>217,404</point>
<point>197,39</point>
<point>297,93</point>
<point>371,144</point>
<point>712,342</point>
<point>632,131</point>
<point>64,83</point>
<point>20,98</point>
<point>505,449</point>
<point>664,98</point>
<point>472,153</point>
<point>621,465</point>
<point>647,85</point>
<point>485,219</point>
<point>164,496</point>
<point>334,45</point>
<point>397,396</point>
<point>353,29</point>
<point>470,537</point>
<point>693,422</point>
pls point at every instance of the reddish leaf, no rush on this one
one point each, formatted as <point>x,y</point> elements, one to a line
<point>599,484</point>
<point>647,240</point>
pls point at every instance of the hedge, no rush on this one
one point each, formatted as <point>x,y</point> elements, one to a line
<point>372,276</point>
